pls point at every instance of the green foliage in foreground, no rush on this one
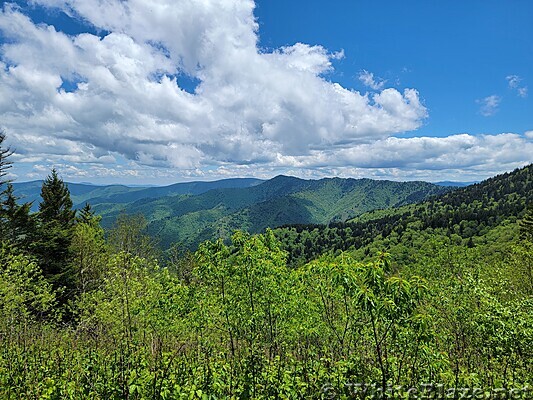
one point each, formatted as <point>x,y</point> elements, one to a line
<point>247,326</point>
<point>86,318</point>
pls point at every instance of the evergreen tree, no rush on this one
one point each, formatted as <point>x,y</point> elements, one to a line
<point>56,221</point>
<point>86,214</point>
<point>526,224</point>
<point>56,205</point>
<point>5,152</point>
<point>18,224</point>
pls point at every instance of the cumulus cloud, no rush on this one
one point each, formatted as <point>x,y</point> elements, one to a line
<point>462,157</point>
<point>441,153</point>
<point>113,104</point>
<point>249,105</point>
<point>489,105</point>
<point>514,82</point>
<point>368,79</point>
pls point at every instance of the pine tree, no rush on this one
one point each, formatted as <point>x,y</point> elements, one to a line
<point>5,152</point>
<point>18,223</point>
<point>56,205</point>
<point>526,224</point>
<point>56,222</point>
<point>86,214</point>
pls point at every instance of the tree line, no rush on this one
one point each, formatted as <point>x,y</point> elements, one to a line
<point>465,213</point>
<point>96,315</point>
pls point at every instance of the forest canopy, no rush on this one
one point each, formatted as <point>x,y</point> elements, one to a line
<point>437,293</point>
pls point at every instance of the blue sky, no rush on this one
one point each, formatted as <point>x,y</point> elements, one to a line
<point>164,91</point>
<point>452,52</point>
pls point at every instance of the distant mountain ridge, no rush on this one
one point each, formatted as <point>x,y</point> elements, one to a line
<point>97,194</point>
<point>192,212</point>
<point>464,213</point>
<point>192,218</point>
<point>455,183</point>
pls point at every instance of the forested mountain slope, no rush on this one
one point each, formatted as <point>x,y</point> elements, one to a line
<point>118,194</point>
<point>191,219</point>
<point>85,315</point>
<point>466,212</point>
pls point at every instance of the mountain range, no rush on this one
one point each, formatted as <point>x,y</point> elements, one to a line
<point>466,215</point>
<point>82,193</point>
<point>189,213</point>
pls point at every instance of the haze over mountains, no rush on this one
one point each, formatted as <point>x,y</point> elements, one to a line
<point>81,193</point>
<point>189,213</point>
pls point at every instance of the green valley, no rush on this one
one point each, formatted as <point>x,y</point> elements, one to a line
<point>464,216</point>
<point>190,213</point>
<point>191,219</point>
<point>375,286</point>
<point>266,200</point>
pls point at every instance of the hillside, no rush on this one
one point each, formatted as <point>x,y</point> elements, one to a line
<point>191,219</point>
<point>464,214</point>
<point>120,194</point>
<point>451,303</point>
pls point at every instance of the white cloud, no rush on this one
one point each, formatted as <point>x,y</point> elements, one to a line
<point>373,83</point>
<point>462,157</point>
<point>489,105</point>
<point>249,106</point>
<point>114,107</point>
<point>514,82</point>
<point>522,92</point>
<point>441,153</point>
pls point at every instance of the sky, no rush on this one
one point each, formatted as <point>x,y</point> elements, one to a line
<point>164,91</point>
